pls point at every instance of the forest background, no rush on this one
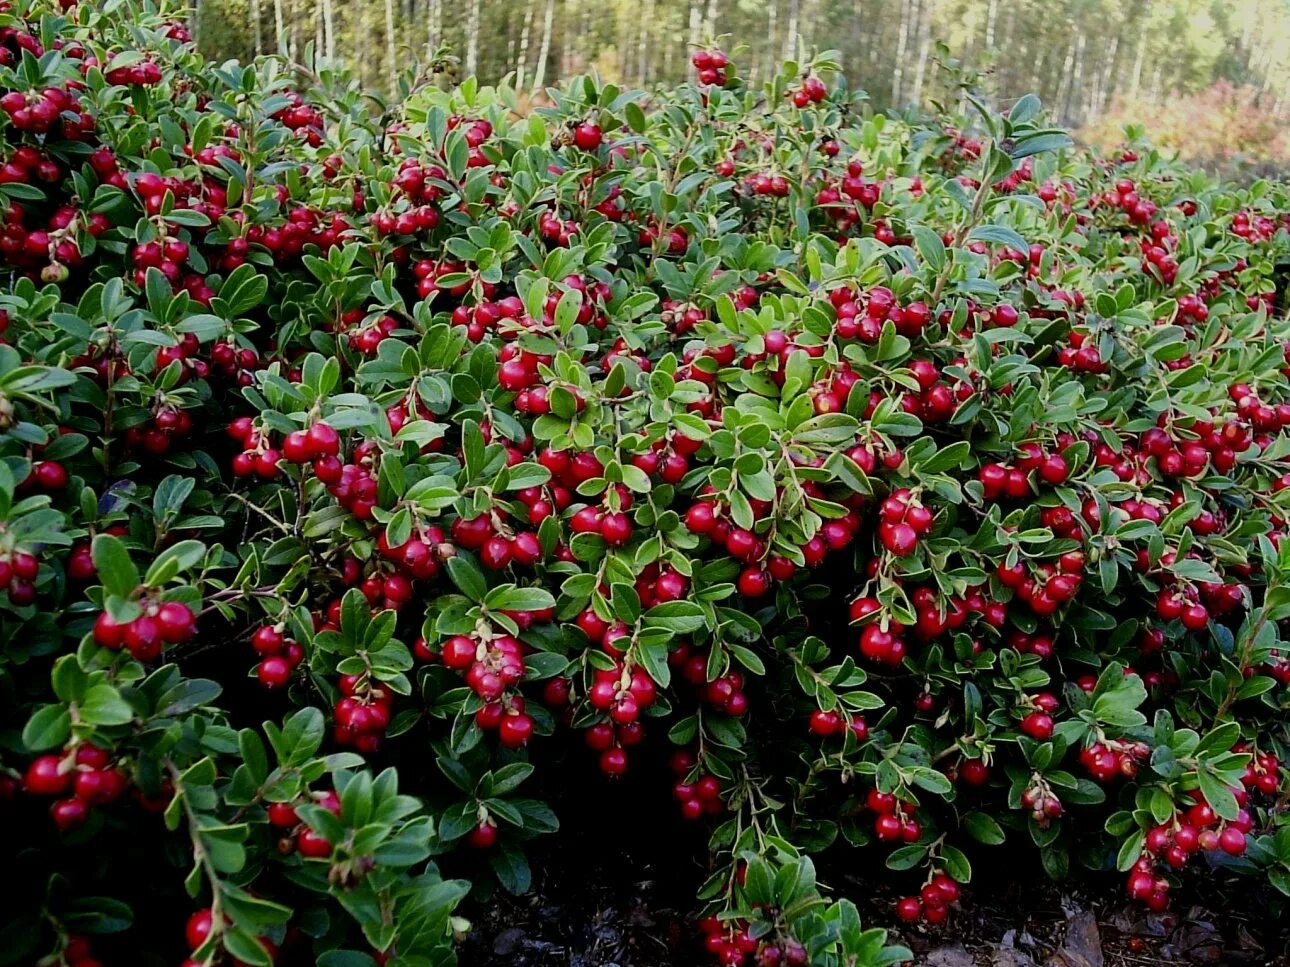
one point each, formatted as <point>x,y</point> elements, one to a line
<point>1208,78</point>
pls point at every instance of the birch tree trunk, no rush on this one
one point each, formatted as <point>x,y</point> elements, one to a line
<point>1107,84</point>
<point>772,22</point>
<point>1063,87</point>
<point>669,51</point>
<point>1077,83</point>
<point>390,59</point>
<point>280,28</point>
<point>923,26</point>
<point>434,25</point>
<point>472,37</point>
<point>566,38</point>
<point>367,28</point>
<point>643,46</point>
<point>1136,84</point>
<point>329,30</point>
<point>522,64</point>
<point>512,38</point>
<point>257,37</point>
<point>539,68</point>
<point>871,44</point>
<point>902,42</point>
<point>790,30</point>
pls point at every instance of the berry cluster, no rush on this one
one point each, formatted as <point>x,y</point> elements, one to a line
<point>84,771</point>
<point>833,722</point>
<point>903,519</point>
<point>279,655</point>
<point>493,667</point>
<point>811,91</point>
<point>932,903</point>
<point>159,623</point>
<point>141,73</point>
<point>711,63</point>
<point>362,713</point>
<point>1014,482</point>
<point>299,837</point>
<point>303,118</point>
<point>698,792</point>
<point>1127,199</point>
<point>731,944</point>
<point>1171,845</point>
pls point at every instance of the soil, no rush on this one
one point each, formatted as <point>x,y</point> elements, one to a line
<point>634,921</point>
<point>616,888</point>
<point>605,898</point>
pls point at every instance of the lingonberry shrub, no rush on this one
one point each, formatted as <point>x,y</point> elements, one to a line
<point>875,489</point>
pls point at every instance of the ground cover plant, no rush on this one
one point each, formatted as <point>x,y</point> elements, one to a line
<point>904,493</point>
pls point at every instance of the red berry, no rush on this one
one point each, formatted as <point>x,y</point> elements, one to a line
<point>515,730</point>
<point>68,814</point>
<point>143,638</point>
<point>613,761</point>
<point>296,447</point>
<point>1232,841</point>
<point>312,845</point>
<point>273,672</point>
<point>45,777</point>
<point>108,633</point>
<point>900,539</point>
<point>615,529</point>
<point>323,440</point>
<point>587,136</point>
<point>198,928</point>
<point>753,582</point>
<point>909,909</point>
<point>1054,469</point>
<point>174,622</point>
<point>1038,725</point>
<point>282,815</point>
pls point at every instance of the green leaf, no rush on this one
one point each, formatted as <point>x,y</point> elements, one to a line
<point>635,117</point>
<point>983,828</point>
<point>512,869</point>
<point>468,577</point>
<point>48,727</point>
<point>1056,862</point>
<point>678,617</point>
<point>653,656</point>
<point>1040,143</point>
<point>507,597</point>
<point>906,857</point>
<point>930,246</point>
<point>508,778</point>
<point>103,705</point>
<point>245,947</point>
<point>759,884</point>
<point>999,235</point>
<point>345,958</point>
<point>1217,794</point>
<point>115,569</point>
<point>956,863</point>
<point>173,561</point>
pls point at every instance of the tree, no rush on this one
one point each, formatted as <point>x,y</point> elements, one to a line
<point>1080,55</point>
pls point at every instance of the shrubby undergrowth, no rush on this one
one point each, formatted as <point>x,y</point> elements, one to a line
<point>920,490</point>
